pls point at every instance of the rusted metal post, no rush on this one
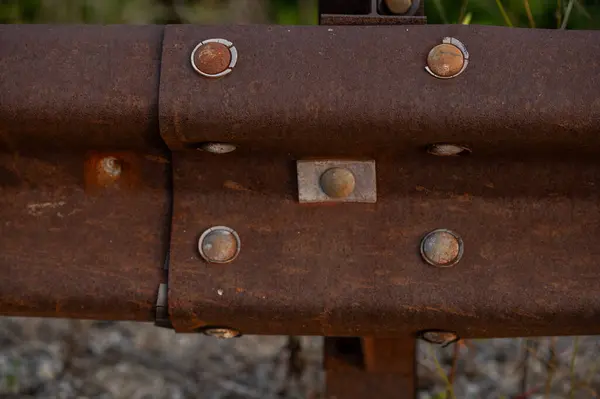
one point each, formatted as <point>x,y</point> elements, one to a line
<point>360,369</point>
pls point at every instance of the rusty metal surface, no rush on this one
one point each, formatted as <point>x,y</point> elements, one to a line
<point>79,87</point>
<point>343,269</point>
<point>322,91</point>
<point>76,242</point>
<point>529,267</point>
<point>381,367</point>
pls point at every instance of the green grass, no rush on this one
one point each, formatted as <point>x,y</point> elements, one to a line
<point>553,14</point>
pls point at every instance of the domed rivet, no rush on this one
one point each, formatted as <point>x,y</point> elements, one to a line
<point>447,60</point>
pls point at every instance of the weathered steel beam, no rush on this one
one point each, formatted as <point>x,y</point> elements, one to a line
<point>84,174</point>
<point>80,238</point>
<point>529,229</point>
<point>77,243</point>
<point>361,91</point>
<point>67,88</point>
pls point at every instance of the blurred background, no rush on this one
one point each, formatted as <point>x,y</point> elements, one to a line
<point>44,358</point>
<point>551,14</point>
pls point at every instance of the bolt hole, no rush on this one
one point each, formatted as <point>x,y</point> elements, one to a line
<point>448,150</point>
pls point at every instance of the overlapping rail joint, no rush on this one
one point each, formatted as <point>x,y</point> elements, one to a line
<point>86,179</point>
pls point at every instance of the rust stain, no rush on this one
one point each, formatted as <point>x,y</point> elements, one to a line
<point>296,270</point>
<point>526,314</point>
<point>234,186</point>
<point>548,231</point>
<point>487,251</point>
<point>37,209</point>
<point>454,208</point>
<point>419,309</point>
<point>402,281</point>
<point>196,325</point>
<point>157,158</point>
<point>96,179</point>
<point>466,197</point>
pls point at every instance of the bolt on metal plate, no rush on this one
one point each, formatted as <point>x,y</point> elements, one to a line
<point>336,181</point>
<point>213,62</point>
<point>442,248</point>
<point>219,244</point>
<point>447,60</point>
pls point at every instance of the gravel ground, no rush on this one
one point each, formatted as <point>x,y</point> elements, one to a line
<point>48,358</point>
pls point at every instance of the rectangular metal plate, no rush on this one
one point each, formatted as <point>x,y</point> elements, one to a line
<point>310,172</point>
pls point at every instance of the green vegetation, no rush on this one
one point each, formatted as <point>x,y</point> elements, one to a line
<point>571,14</point>
<point>550,14</point>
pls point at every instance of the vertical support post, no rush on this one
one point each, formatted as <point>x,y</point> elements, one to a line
<point>370,367</point>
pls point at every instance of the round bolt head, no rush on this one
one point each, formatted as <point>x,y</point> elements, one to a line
<point>445,60</point>
<point>442,248</point>
<point>214,58</point>
<point>221,332</point>
<point>111,166</point>
<point>448,150</point>
<point>399,6</point>
<point>439,337</point>
<point>337,182</point>
<point>219,244</point>
<point>218,148</point>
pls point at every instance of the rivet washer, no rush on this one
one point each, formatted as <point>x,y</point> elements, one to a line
<point>442,248</point>
<point>214,58</point>
<point>219,244</point>
<point>447,60</point>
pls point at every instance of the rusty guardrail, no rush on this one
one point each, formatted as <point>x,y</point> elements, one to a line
<point>523,200</point>
<point>101,178</point>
